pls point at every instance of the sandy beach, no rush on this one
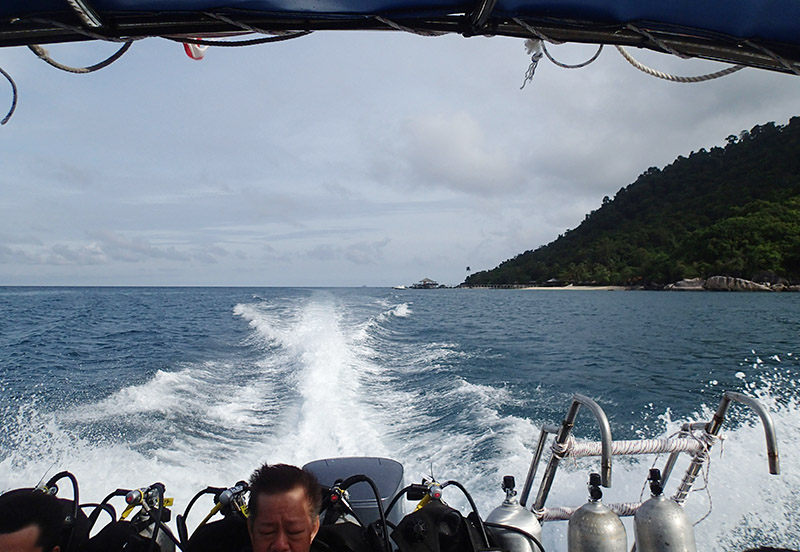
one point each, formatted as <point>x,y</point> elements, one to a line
<point>578,288</point>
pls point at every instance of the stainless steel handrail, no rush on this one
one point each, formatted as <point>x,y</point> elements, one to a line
<point>537,455</point>
<point>712,429</point>
<point>561,439</point>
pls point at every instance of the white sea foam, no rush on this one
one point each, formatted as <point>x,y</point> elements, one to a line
<point>319,389</point>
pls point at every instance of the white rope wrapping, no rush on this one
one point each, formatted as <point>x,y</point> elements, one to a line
<point>790,66</point>
<point>396,26</point>
<point>563,513</point>
<point>245,26</point>
<point>661,44</point>
<point>675,78</point>
<point>646,446</point>
<point>87,33</point>
<point>561,449</point>
<point>534,32</point>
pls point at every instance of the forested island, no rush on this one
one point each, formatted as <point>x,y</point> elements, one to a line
<point>732,211</point>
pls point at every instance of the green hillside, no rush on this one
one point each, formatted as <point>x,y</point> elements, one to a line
<point>732,211</point>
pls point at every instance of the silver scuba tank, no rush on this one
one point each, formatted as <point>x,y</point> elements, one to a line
<point>660,524</point>
<point>594,527</point>
<point>511,515</point>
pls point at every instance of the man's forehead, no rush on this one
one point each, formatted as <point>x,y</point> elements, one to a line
<point>23,540</point>
<point>293,500</point>
<point>294,493</point>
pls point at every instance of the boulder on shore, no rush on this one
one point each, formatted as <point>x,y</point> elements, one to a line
<point>691,284</point>
<point>728,283</point>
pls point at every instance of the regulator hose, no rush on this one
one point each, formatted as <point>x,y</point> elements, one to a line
<point>352,480</point>
<point>69,522</point>
<point>159,489</point>
<point>108,508</point>
<point>180,520</point>
<point>400,494</point>
<point>517,530</point>
<point>481,527</point>
<point>102,506</point>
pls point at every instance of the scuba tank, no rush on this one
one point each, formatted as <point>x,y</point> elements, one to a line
<point>512,526</point>
<point>660,524</point>
<point>594,527</point>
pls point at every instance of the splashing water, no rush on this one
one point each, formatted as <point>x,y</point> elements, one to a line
<point>325,375</point>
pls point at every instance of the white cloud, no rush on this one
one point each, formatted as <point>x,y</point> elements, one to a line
<point>453,151</point>
<point>340,158</point>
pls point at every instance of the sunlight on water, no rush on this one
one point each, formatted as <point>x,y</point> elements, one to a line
<point>326,385</point>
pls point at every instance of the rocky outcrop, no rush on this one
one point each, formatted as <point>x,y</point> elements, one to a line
<point>728,283</point>
<point>691,284</point>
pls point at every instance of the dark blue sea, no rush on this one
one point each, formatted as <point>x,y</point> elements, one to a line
<point>197,386</point>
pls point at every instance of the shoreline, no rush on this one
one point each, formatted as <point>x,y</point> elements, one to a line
<point>577,288</point>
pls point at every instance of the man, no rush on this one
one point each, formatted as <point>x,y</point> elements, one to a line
<point>30,521</point>
<point>284,509</point>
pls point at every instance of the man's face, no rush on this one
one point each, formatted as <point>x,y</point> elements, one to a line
<point>284,523</point>
<point>24,540</point>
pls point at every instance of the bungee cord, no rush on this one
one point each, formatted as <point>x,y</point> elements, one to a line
<point>13,97</point>
<point>237,43</point>
<point>576,66</point>
<point>536,48</point>
<point>42,54</point>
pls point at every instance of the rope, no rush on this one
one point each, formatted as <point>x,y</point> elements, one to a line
<point>708,441</point>
<point>241,25</point>
<point>236,43</point>
<point>706,473</point>
<point>398,27</point>
<point>645,446</point>
<point>13,99</point>
<point>564,65</point>
<point>562,449</point>
<point>658,42</point>
<point>790,66</point>
<point>573,448</point>
<point>537,49</point>
<point>535,58</point>
<point>674,78</point>
<point>43,55</point>
<point>535,33</point>
<point>84,32</point>
<point>563,513</point>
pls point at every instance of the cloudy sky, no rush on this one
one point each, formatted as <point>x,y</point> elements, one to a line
<point>340,159</point>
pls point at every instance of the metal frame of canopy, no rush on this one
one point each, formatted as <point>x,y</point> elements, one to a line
<point>756,33</point>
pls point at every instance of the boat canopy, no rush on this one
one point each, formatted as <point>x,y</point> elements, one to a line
<point>757,33</point>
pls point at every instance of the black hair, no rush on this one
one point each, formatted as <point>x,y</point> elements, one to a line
<point>22,508</point>
<point>281,478</point>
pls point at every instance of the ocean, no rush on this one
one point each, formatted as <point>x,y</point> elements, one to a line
<point>198,386</point>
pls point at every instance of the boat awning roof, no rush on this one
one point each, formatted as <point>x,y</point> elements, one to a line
<point>763,33</point>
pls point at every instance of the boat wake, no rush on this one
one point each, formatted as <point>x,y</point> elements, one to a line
<point>319,379</point>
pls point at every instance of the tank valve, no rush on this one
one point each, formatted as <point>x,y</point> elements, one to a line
<point>594,527</point>
<point>512,526</point>
<point>595,492</point>
<point>655,482</point>
<point>660,524</point>
<point>508,486</point>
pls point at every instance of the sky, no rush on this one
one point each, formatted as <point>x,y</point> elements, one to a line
<point>336,159</point>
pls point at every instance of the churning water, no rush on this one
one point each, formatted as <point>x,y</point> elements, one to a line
<point>197,386</point>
